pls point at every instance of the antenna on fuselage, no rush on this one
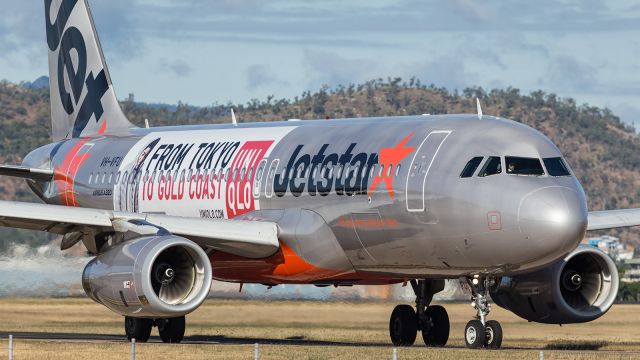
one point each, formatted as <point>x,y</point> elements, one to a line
<point>234,121</point>
<point>479,107</point>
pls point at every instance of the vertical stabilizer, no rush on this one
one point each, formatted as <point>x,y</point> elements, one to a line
<point>83,101</point>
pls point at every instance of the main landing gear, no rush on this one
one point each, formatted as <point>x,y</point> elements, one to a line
<point>171,330</point>
<point>479,332</point>
<point>431,321</point>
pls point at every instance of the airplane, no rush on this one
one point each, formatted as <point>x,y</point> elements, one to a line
<point>411,200</point>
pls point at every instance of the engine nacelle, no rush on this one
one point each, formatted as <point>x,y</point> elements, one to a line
<point>579,288</point>
<point>152,277</point>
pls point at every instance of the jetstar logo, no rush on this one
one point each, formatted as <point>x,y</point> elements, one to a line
<point>391,157</point>
<point>72,61</point>
<point>347,173</point>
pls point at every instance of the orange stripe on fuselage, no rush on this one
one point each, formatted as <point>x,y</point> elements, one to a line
<point>285,266</point>
<point>65,174</point>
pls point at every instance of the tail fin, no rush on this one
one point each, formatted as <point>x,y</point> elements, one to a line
<point>82,96</point>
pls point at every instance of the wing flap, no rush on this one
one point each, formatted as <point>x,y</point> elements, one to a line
<point>610,219</point>
<point>252,239</point>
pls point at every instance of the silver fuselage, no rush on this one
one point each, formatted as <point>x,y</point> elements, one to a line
<point>335,206</point>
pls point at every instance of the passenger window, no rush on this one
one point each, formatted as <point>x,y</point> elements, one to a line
<point>492,166</point>
<point>381,170</point>
<point>90,177</point>
<point>556,167</point>
<point>118,177</point>
<point>523,166</point>
<point>398,169</point>
<point>110,177</point>
<point>389,170</point>
<point>271,178</point>
<point>258,179</point>
<point>471,167</point>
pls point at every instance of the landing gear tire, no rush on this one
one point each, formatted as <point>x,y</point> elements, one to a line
<point>137,328</point>
<point>403,326</point>
<point>172,330</point>
<point>474,334</point>
<point>493,333</point>
<point>436,331</point>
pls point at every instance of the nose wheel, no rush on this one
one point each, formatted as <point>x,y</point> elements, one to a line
<point>479,332</point>
<point>431,321</point>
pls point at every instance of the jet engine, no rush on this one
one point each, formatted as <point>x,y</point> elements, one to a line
<point>579,288</point>
<point>153,277</point>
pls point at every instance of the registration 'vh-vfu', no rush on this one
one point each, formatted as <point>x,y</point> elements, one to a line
<point>415,199</point>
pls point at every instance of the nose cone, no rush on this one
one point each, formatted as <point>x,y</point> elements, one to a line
<point>553,221</point>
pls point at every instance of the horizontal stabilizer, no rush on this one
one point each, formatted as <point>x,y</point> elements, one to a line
<point>26,173</point>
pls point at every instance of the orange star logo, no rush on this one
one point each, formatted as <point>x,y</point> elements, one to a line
<point>389,157</point>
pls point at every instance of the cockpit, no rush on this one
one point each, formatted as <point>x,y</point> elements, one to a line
<point>514,165</point>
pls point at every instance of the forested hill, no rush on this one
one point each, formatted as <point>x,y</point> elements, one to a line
<point>604,152</point>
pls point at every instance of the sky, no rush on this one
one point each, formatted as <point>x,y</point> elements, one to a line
<point>204,52</point>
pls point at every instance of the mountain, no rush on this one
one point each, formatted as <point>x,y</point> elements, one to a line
<point>603,152</point>
<point>40,83</point>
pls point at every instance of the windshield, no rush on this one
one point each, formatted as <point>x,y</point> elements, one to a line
<point>556,167</point>
<point>523,166</point>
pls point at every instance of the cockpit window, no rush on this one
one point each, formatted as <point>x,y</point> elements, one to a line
<point>492,166</point>
<point>556,167</point>
<point>471,167</point>
<point>523,166</point>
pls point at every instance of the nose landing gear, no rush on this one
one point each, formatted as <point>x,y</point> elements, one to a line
<point>431,321</point>
<point>480,332</point>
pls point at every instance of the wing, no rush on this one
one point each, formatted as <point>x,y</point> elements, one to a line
<point>610,219</point>
<point>252,239</point>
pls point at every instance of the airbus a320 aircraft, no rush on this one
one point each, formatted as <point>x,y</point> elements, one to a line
<point>373,201</point>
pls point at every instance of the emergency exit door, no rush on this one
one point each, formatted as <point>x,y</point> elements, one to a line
<point>417,178</point>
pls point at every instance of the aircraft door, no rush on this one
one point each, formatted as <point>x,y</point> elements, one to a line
<point>419,170</point>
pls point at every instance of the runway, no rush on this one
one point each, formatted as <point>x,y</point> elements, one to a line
<point>228,329</point>
<point>569,348</point>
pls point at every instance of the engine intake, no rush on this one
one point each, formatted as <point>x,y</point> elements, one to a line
<point>579,288</point>
<point>158,276</point>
